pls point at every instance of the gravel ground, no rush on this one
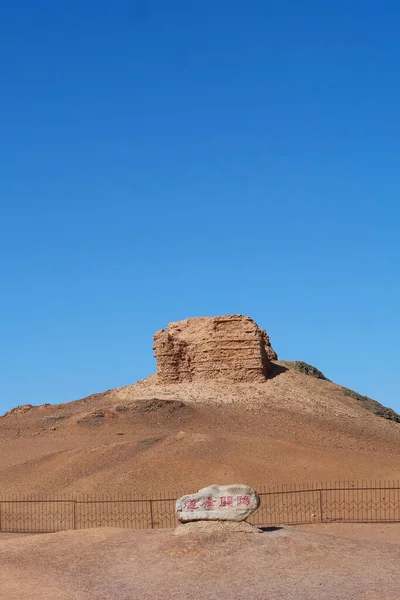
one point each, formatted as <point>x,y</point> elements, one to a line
<point>303,563</point>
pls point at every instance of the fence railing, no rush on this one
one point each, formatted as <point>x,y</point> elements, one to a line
<point>347,502</point>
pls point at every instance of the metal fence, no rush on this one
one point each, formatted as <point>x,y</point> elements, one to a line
<point>347,502</point>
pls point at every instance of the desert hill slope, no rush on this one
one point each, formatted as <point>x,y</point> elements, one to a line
<point>158,435</point>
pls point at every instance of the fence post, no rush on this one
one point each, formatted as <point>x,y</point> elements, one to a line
<point>320,506</point>
<point>74,513</point>
<point>151,514</point>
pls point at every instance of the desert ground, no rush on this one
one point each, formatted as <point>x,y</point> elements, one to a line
<point>324,562</point>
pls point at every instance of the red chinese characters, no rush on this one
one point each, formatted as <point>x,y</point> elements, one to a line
<point>190,504</point>
<point>243,501</point>
<point>207,503</point>
<point>226,501</point>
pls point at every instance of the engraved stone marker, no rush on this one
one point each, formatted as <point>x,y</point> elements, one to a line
<point>218,503</point>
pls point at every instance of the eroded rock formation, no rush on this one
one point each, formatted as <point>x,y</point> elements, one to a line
<point>228,348</point>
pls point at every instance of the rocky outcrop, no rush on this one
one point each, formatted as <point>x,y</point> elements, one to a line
<point>305,368</point>
<point>228,348</point>
<point>373,406</point>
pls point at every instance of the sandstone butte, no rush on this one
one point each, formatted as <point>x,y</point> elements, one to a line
<point>220,408</point>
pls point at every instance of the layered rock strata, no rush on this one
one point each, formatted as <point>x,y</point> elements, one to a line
<point>229,348</point>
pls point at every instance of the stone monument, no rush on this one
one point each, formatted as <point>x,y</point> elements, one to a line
<point>218,503</point>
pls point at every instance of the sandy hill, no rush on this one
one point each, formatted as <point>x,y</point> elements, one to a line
<point>221,408</point>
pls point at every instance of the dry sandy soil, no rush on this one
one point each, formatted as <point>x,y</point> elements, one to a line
<point>148,437</point>
<point>324,562</point>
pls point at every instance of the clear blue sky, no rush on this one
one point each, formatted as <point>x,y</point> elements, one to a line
<point>163,160</point>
